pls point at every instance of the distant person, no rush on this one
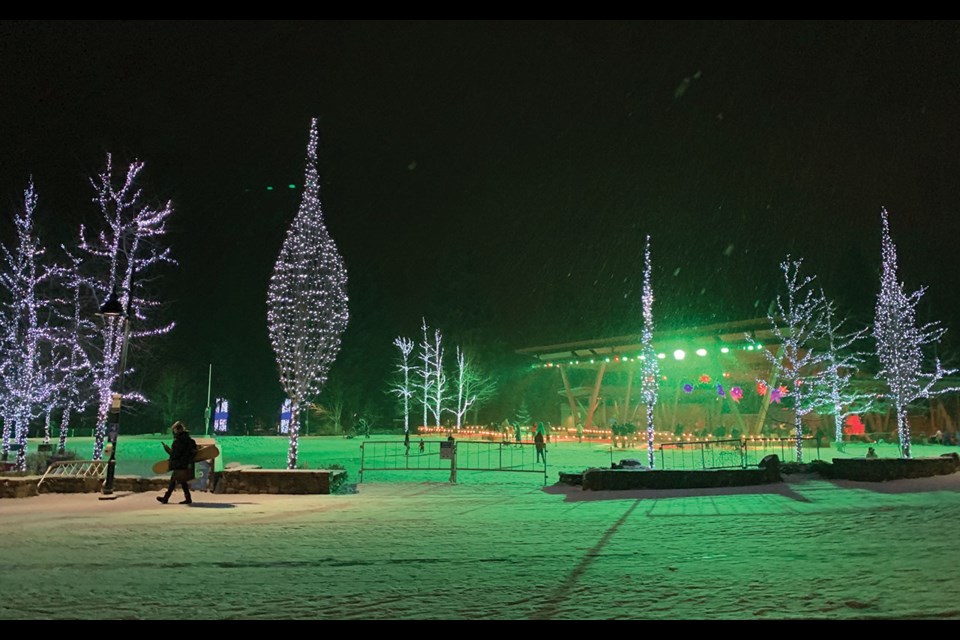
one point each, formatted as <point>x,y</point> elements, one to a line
<point>579,432</point>
<point>181,462</point>
<point>937,437</point>
<point>421,445</point>
<point>517,433</point>
<point>406,442</point>
<point>871,454</point>
<point>540,443</point>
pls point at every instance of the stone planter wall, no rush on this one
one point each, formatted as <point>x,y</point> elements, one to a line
<point>884,469</point>
<point>297,482</point>
<point>621,479</point>
<point>282,481</point>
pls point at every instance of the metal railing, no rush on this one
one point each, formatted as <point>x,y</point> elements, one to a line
<point>733,454</point>
<point>463,455</point>
<point>75,469</point>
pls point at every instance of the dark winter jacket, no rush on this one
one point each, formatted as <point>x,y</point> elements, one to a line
<point>183,451</point>
<point>538,440</point>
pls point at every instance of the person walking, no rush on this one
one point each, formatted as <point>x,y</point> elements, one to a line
<point>181,462</point>
<point>540,444</point>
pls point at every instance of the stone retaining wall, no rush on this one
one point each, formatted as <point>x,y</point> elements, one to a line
<point>299,482</point>
<point>883,469</point>
<point>620,479</point>
<point>280,481</point>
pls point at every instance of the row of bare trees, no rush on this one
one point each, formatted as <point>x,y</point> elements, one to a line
<point>817,358</point>
<point>423,379</point>
<point>55,357</point>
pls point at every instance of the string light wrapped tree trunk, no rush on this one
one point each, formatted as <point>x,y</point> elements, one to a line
<point>306,301</point>
<point>798,323</point>
<point>425,371</point>
<point>130,241</point>
<point>402,388</point>
<point>76,331</point>
<point>27,333</point>
<point>900,341</point>
<point>438,388</point>
<point>473,387</point>
<point>650,367</point>
<point>841,361</point>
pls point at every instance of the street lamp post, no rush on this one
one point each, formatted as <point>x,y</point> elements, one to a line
<point>206,414</point>
<point>112,309</point>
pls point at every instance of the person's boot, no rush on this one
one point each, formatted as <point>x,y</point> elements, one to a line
<point>186,493</point>
<point>163,499</point>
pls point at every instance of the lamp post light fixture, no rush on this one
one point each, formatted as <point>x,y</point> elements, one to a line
<point>113,310</point>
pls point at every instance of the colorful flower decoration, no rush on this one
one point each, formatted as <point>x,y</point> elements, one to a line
<point>784,392</point>
<point>761,389</point>
<point>737,394</point>
<point>688,388</point>
<point>720,391</point>
<point>775,396</point>
<point>705,379</point>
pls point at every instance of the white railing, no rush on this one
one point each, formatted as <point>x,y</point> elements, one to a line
<point>75,469</point>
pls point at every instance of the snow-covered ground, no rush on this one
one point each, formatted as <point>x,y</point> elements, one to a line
<point>503,548</point>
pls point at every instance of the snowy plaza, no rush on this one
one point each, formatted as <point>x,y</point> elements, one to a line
<point>491,547</point>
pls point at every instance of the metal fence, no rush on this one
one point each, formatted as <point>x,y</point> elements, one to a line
<point>733,454</point>
<point>75,469</point>
<point>450,457</point>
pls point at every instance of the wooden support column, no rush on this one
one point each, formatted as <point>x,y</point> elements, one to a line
<point>765,405</point>
<point>626,401</point>
<point>735,410</point>
<point>570,398</point>
<point>672,424</point>
<point>593,398</point>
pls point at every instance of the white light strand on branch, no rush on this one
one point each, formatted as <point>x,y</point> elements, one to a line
<point>27,332</point>
<point>424,371</point>
<point>842,363</point>
<point>797,323</point>
<point>128,246</point>
<point>900,341</point>
<point>402,388</point>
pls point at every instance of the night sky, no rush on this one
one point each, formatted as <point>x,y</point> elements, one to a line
<point>498,178</point>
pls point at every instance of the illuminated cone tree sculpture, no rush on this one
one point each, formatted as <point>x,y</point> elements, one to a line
<point>306,301</point>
